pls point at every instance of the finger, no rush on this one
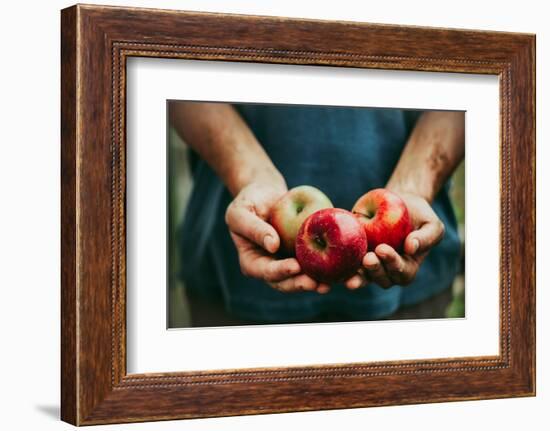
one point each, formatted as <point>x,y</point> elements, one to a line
<point>355,282</point>
<point>371,262</point>
<point>242,220</point>
<point>297,283</point>
<point>256,264</point>
<point>306,283</point>
<point>269,269</point>
<point>375,271</point>
<point>287,285</point>
<point>423,239</point>
<point>323,288</point>
<point>399,270</point>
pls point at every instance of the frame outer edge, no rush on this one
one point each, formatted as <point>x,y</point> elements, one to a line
<point>523,245</point>
<point>533,56</point>
<point>532,79</point>
<point>88,397</point>
<point>529,63</point>
<point>69,201</point>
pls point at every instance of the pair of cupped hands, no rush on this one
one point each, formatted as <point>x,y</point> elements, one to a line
<point>257,242</point>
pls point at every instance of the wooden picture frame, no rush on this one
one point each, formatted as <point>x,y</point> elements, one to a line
<point>95,43</point>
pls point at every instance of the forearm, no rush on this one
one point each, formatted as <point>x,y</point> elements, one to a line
<point>433,151</point>
<point>222,138</point>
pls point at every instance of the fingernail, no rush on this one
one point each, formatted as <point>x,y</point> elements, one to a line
<point>371,265</point>
<point>415,245</point>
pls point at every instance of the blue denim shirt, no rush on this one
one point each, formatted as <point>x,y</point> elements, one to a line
<point>342,151</point>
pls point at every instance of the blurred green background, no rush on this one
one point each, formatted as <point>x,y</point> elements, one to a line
<point>180,184</point>
<point>458,198</point>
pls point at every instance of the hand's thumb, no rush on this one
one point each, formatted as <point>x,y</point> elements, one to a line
<point>423,239</point>
<point>246,223</point>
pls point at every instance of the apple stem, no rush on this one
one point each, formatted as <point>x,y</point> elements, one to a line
<point>320,242</point>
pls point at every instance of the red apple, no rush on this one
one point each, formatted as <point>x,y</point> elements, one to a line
<point>384,217</point>
<point>330,245</point>
<point>290,211</point>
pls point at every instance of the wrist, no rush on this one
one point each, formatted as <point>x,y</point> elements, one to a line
<point>414,186</point>
<point>268,176</point>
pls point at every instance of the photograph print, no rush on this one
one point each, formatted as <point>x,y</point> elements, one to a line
<point>288,214</point>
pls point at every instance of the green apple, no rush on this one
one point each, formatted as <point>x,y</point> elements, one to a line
<point>290,211</point>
